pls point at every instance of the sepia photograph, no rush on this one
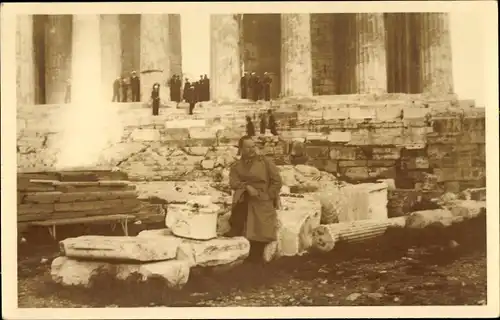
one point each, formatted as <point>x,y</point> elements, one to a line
<point>206,156</point>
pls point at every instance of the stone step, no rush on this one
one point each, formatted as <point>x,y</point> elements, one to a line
<point>120,248</point>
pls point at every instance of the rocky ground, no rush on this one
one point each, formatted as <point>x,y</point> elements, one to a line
<point>431,267</point>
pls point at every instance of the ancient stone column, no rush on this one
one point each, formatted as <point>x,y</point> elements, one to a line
<point>174,29</point>
<point>155,55</point>
<point>296,64</point>
<point>434,41</point>
<point>86,85</point>
<point>111,52</point>
<point>57,57</point>
<point>225,67</point>
<point>25,60</point>
<point>370,69</point>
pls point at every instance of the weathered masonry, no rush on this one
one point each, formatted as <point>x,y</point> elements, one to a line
<point>306,54</point>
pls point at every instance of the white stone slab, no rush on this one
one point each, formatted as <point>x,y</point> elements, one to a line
<point>186,123</point>
<point>118,248</point>
<point>145,135</point>
<point>71,272</point>
<point>425,218</point>
<point>215,252</point>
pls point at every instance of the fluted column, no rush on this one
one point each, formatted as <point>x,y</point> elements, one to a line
<point>370,66</point>
<point>434,41</point>
<point>174,28</point>
<point>296,64</point>
<point>155,55</point>
<point>25,68</point>
<point>111,52</point>
<point>57,57</point>
<point>225,67</point>
<point>86,85</point>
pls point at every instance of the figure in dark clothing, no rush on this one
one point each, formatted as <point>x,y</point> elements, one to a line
<point>206,85</point>
<point>250,127</point>
<point>272,123</point>
<point>190,97</point>
<point>172,85</point>
<point>187,85</point>
<point>155,97</point>
<point>135,85</point>
<point>263,124</point>
<point>254,86</point>
<point>244,85</point>
<point>116,90</point>
<point>124,85</point>
<point>178,86</point>
<point>266,86</point>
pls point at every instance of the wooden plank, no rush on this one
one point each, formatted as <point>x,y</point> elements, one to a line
<point>96,205</point>
<point>52,222</point>
<point>97,195</point>
<point>71,176</point>
<point>41,197</point>
<point>32,208</point>
<point>69,188</point>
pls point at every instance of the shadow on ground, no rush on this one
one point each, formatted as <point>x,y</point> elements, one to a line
<point>403,267</point>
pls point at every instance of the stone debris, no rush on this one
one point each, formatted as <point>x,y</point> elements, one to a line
<point>197,219</point>
<point>354,202</point>
<point>326,236</point>
<point>215,252</point>
<point>297,219</point>
<point>426,218</point>
<point>118,248</point>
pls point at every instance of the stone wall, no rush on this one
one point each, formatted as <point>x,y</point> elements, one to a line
<point>354,137</point>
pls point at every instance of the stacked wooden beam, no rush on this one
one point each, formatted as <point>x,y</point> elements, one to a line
<point>74,194</point>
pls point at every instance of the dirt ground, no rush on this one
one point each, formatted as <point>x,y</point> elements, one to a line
<point>400,268</point>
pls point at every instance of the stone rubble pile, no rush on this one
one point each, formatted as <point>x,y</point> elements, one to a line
<point>196,218</point>
<point>190,240</point>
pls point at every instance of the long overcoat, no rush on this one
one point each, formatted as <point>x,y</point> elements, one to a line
<point>262,174</point>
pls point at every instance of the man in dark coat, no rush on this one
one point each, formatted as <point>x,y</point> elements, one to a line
<point>244,85</point>
<point>266,86</point>
<point>135,85</point>
<point>116,90</point>
<point>177,88</point>
<point>254,86</point>
<point>124,85</point>
<point>172,85</point>
<point>272,123</point>
<point>206,85</point>
<point>190,97</point>
<point>256,183</point>
<point>187,85</point>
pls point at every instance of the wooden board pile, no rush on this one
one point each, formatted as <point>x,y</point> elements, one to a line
<point>73,194</point>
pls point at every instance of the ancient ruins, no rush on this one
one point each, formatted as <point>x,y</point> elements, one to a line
<point>369,127</point>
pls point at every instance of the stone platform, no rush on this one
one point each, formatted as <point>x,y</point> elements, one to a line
<point>357,137</point>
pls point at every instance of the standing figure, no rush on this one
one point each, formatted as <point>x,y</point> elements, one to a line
<point>206,83</point>
<point>187,85</point>
<point>250,127</point>
<point>266,84</point>
<point>272,123</point>
<point>155,97</point>
<point>190,97</point>
<point>124,85</point>
<point>172,84</point>
<point>116,90</point>
<point>254,86</point>
<point>263,123</point>
<point>256,183</point>
<point>244,85</point>
<point>135,85</point>
<point>178,86</point>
